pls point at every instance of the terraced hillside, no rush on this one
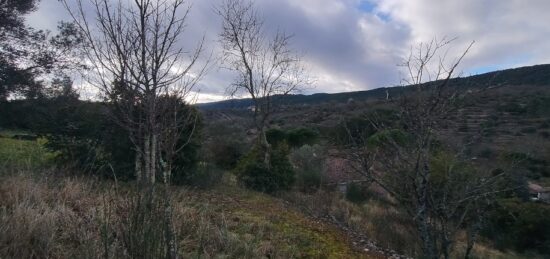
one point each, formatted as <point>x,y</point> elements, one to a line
<point>506,113</point>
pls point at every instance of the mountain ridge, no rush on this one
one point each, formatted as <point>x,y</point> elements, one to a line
<point>527,75</point>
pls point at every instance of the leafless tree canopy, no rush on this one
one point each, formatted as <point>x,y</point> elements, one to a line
<point>141,69</point>
<point>432,182</point>
<point>266,66</point>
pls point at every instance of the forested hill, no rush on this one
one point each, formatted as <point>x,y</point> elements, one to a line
<point>533,75</point>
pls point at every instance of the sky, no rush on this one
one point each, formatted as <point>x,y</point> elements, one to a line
<point>353,45</point>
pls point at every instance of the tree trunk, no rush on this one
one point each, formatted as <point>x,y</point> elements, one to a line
<point>429,248</point>
<point>150,156</point>
<point>472,233</point>
<point>138,168</point>
<point>172,248</point>
<point>265,146</point>
<point>153,164</point>
<point>147,158</point>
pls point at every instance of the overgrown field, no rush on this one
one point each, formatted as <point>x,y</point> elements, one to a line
<point>45,213</point>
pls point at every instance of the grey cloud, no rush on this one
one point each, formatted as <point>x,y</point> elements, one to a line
<point>351,49</point>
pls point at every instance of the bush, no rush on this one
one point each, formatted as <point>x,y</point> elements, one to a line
<point>308,162</point>
<point>512,107</point>
<point>295,138</point>
<point>536,167</point>
<point>83,135</point>
<point>275,137</point>
<point>357,129</point>
<point>356,193</point>
<point>205,176</point>
<point>384,137</point>
<point>301,136</point>
<point>520,225</point>
<point>529,130</point>
<point>225,145</point>
<point>539,106</point>
<point>225,153</point>
<point>254,174</point>
<point>486,152</point>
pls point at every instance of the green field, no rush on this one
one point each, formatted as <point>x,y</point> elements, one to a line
<point>23,154</point>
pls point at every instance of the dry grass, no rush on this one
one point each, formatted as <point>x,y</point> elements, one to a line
<point>49,213</point>
<point>382,222</point>
<point>378,221</point>
<point>66,217</point>
<point>38,222</point>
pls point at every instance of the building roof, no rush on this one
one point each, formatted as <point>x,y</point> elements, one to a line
<point>535,188</point>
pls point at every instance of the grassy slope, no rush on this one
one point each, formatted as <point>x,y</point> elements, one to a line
<point>22,154</point>
<point>47,215</point>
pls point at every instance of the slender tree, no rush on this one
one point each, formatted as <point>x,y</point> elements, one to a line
<point>266,66</point>
<point>139,67</point>
<point>434,183</point>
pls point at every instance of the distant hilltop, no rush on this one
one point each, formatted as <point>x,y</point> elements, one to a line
<point>538,75</point>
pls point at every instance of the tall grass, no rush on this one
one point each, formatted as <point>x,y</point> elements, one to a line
<point>380,221</point>
<point>47,212</point>
<point>52,216</point>
<point>24,154</point>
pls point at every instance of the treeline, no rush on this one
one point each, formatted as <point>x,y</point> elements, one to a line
<point>83,135</point>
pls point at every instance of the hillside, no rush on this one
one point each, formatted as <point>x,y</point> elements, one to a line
<point>538,75</point>
<point>48,215</point>
<point>50,212</point>
<point>49,209</point>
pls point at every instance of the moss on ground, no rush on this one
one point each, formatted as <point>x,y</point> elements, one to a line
<point>282,228</point>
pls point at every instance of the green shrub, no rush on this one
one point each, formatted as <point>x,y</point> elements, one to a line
<point>513,107</point>
<point>529,130</point>
<point>276,136</point>
<point>536,167</point>
<point>308,162</point>
<point>226,144</point>
<point>386,136</point>
<point>487,152</point>
<point>83,135</point>
<point>356,130</point>
<point>301,136</point>
<point>254,174</point>
<point>226,154</point>
<point>295,138</point>
<point>539,106</point>
<point>205,176</point>
<point>520,225</point>
<point>356,193</point>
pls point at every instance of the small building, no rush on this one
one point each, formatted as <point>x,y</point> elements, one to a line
<point>539,193</point>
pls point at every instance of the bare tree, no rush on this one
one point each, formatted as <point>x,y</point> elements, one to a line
<point>434,183</point>
<point>266,66</point>
<point>143,72</point>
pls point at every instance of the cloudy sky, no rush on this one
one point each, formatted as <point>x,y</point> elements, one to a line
<point>352,45</point>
